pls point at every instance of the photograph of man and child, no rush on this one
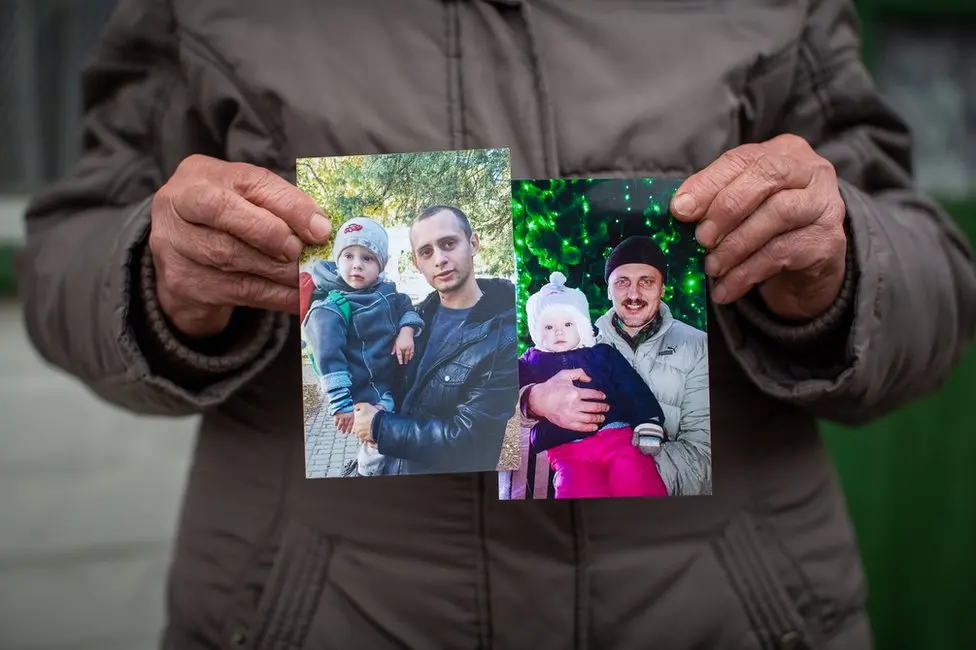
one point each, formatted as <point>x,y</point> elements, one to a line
<point>406,374</point>
<point>613,367</point>
<point>491,360</point>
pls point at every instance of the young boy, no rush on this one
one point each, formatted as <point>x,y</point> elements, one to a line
<point>614,461</point>
<point>358,327</point>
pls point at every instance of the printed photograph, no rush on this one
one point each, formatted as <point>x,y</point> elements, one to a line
<point>612,343</point>
<point>409,340</point>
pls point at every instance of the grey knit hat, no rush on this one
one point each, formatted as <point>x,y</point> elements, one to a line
<point>365,232</point>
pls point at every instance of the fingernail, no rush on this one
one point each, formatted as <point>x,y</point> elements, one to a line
<point>293,248</point>
<point>719,294</point>
<point>705,233</point>
<point>712,266</point>
<point>319,226</point>
<point>684,204</point>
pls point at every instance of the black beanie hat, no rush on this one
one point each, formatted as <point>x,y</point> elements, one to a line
<point>637,249</point>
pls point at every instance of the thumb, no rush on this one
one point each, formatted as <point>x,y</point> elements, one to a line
<point>577,374</point>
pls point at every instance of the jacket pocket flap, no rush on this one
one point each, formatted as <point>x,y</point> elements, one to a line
<point>453,373</point>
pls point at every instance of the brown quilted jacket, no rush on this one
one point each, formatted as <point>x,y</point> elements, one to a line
<point>267,559</point>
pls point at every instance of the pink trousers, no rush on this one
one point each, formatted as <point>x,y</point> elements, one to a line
<point>606,464</point>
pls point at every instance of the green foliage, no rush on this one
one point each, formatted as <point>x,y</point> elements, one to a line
<point>393,188</point>
<point>405,262</point>
<point>572,225</point>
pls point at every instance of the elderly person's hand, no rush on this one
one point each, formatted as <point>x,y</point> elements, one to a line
<point>362,425</point>
<point>566,405</point>
<point>770,215</point>
<point>225,235</point>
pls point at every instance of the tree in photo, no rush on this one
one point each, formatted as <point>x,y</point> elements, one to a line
<point>393,188</point>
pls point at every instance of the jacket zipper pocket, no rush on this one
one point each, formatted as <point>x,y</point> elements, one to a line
<point>770,609</point>
<point>437,365</point>
<point>292,591</point>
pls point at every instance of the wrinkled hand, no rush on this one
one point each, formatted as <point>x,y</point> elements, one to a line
<point>362,426</point>
<point>225,235</point>
<point>403,346</point>
<point>343,422</point>
<point>770,215</point>
<point>566,405</point>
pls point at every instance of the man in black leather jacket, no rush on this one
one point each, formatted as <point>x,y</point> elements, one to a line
<point>463,388</point>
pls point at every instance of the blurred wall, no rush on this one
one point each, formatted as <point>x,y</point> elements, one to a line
<point>89,494</point>
<point>89,497</point>
<point>912,500</point>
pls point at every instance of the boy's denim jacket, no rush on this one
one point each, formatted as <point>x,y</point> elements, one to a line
<point>354,359</point>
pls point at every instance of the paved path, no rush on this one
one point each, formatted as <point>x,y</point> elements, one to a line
<point>326,451</point>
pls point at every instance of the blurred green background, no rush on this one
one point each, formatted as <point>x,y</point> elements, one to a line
<point>571,226</point>
<point>906,477</point>
<point>913,504</point>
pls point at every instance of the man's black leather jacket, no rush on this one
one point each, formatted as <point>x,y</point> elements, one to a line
<point>453,417</point>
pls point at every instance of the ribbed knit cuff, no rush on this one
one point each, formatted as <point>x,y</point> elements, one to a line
<point>184,359</point>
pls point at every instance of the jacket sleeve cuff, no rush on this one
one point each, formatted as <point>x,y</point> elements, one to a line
<point>203,371</point>
<point>526,418</point>
<point>336,387</point>
<point>412,319</point>
<point>375,429</point>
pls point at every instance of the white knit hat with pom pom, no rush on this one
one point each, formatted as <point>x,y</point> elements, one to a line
<point>557,295</point>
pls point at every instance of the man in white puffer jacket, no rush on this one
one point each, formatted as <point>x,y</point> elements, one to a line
<point>670,355</point>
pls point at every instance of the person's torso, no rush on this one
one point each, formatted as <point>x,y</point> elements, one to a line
<point>450,369</point>
<point>372,325</point>
<point>572,87</point>
<point>447,324</point>
<point>575,88</point>
<point>664,361</point>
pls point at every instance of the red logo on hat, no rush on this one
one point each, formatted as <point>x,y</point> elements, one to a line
<point>353,227</point>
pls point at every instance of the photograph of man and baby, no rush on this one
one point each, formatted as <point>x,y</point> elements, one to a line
<point>613,365</point>
<point>408,316</point>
